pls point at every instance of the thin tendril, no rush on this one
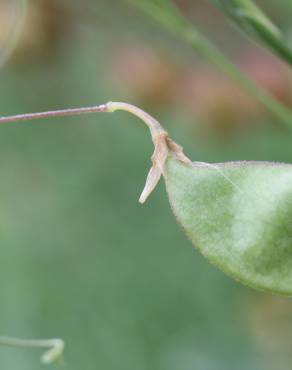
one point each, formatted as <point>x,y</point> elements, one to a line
<point>54,352</point>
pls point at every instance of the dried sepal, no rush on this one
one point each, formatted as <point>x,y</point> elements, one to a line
<point>177,151</point>
<point>158,163</point>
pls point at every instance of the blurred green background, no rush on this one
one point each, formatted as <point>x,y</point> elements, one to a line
<point>80,259</point>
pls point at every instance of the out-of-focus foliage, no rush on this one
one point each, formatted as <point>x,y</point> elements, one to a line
<point>252,20</point>
<point>12,20</point>
<point>168,16</point>
<point>31,29</point>
<point>80,259</point>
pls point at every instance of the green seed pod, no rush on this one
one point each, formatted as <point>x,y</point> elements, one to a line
<point>238,214</point>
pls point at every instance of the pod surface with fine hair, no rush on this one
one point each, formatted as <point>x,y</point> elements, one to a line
<point>239,215</point>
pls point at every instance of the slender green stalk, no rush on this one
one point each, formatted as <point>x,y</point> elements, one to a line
<point>55,347</point>
<point>165,13</point>
<point>254,23</point>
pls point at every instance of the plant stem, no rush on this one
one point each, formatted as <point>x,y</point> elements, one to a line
<point>163,145</point>
<point>168,16</point>
<point>53,113</point>
<point>153,125</point>
<point>254,23</point>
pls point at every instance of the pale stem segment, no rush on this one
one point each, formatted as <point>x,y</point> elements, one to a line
<point>159,138</point>
<point>163,145</point>
<point>55,346</point>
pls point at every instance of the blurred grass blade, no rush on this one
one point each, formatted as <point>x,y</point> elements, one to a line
<point>254,22</point>
<point>166,13</point>
<point>8,46</point>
